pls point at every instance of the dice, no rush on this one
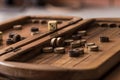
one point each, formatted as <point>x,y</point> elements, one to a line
<point>52,25</point>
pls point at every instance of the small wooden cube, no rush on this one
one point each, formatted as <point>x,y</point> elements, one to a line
<point>52,25</point>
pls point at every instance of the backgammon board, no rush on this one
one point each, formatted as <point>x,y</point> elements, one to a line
<point>78,50</point>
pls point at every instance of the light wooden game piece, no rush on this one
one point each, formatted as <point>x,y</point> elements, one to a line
<point>48,49</point>
<point>53,42</point>
<point>89,44</point>
<point>82,32</point>
<point>59,50</point>
<point>60,42</point>
<point>17,27</point>
<point>94,48</point>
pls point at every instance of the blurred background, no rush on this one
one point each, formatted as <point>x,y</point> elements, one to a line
<point>82,8</point>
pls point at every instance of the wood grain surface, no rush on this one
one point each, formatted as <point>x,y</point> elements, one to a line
<point>36,64</point>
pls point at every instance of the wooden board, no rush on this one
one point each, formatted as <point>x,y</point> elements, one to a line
<point>27,23</point>
<point>30,63</point>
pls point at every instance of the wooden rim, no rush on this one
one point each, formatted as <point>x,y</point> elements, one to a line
<point>28,70</point>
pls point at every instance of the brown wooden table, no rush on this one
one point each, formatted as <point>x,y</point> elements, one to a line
<point>113,74</point>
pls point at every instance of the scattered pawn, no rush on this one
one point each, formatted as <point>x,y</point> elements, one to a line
<point>59,50</point>
<point>34,30</point>
<point>82,33</point>
<point>104,39</point>
<point>9,41</point>
<point>76,44</point>
<point>43,21</point>
<point>76,52</point>
<point>11,35</point>
<point>13,38</point>
<point>60,42</point>
<point>53,42</point>
<point>68,41</point>
<point>16,38</point>
<point>89,44</point>
<point>57,42</point>
<point>17,27</point>
<point>93,48</point>
<point>76,37</point>
<point>47,49</point>
<point>83,42</point>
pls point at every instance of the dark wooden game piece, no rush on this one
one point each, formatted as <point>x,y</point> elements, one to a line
<point>47,49</point>
<point>76,52</point>
<point>59,50</point>
<point>43,21</point>
<point>104,39</point>
<point>82,42</point>
<point>68,41</point>
<point>11,35</point>
<point>118,26</point>
<point>113,25</point>
<point>34,29</point>
<point>16,38</point>
<point>9,41</point>
<point>76,44</point>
